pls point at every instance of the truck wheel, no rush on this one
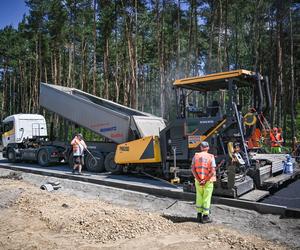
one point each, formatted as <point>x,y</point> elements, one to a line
<point>110,165</point>
<point>43,158</point>
<point>11,155</point>
<point>95,164</point>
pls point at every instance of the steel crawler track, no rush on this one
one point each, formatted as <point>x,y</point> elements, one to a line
<point>164,191</point>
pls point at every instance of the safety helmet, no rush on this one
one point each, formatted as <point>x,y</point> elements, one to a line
<point>204,144</point>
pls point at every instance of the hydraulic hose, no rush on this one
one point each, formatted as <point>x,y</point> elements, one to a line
<point>241,132</point>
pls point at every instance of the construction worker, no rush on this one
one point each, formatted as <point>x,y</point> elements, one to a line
<point>203,169</point>
<point>78,146</point>
<point>238,154</point>
<point>276,141</point>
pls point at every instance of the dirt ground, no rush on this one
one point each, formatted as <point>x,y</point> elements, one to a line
<point>31,218</point>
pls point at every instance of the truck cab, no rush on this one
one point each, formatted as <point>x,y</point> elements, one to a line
<point>20,127</point>
<point>24,138</point>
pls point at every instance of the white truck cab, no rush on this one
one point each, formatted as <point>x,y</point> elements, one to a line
<point>17,128</point>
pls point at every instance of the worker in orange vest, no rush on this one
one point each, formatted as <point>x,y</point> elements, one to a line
<point>203,169</point>
<point>276,141</point>
<point>78,146</point>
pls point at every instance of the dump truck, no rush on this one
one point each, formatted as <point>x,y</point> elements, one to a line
<point>141,142</point>
<point>25,135</point>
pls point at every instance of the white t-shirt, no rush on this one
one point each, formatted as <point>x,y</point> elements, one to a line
<point>79,151</point>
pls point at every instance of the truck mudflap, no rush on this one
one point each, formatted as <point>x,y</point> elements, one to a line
<point>4,152</point>
<point>145,150</point>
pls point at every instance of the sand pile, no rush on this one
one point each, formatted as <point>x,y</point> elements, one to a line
<point>34,219</point>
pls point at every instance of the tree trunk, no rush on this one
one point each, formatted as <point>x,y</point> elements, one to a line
<point>136,105</point>
<point>178,40</point>
<point>219,56</point>
<point>236,40</point>
<point>211,37</point>
<point>226,55</point>
<point>4,93</point>
<point>69,79</point>
<point>105,68</point>
<point>161,57</point>
<point>279,63</point>
<point>95,48</point>
<point>189,52</point>
<point>293,123</point>
<point>132,60</point>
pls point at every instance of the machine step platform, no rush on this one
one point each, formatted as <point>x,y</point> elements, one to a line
<point>280,179</point>
<point>254,195</point>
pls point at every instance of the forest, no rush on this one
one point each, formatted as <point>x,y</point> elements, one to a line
<point>132,51</point>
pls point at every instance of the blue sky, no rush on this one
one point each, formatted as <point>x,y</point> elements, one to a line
<point>11,12</point>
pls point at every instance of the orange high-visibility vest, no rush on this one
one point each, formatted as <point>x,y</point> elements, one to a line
<point>75,144</point>
<point>275,140</point>
<point>203,166</point>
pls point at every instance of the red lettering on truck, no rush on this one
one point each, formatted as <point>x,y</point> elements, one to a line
<point>116,135</point>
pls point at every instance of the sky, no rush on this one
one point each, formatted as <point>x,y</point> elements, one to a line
<point>11,12</point>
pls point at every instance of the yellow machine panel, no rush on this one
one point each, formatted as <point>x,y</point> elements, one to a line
<point>195,140</point>
<point>145,150</point>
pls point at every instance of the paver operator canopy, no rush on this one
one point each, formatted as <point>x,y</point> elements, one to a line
<point>230,81</point>
<point>218,81</point>
<point>257,88</point>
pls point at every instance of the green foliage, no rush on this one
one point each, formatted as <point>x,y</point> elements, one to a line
<point>160,40</point>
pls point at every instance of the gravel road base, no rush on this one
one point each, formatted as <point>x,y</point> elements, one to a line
<point>126,215</point>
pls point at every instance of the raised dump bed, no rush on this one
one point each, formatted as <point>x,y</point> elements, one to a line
<point>111,120</point>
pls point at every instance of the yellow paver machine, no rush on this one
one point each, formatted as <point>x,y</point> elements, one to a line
<point>227,121</point>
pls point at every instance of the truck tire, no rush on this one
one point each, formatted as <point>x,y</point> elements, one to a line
<point>43,158</point>
<point>11,155</point>
<point>95,164</point>
<point>110,165</point>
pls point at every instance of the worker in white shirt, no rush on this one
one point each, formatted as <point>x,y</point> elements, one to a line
<point>78,146</point>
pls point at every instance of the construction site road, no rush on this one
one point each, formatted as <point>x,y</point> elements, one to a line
<point>88,216</point>
<point>149,186</point>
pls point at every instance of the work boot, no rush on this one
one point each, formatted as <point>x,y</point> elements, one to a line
<point>80,173</point>
<point>206,219</point>
<point>199,217</point>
